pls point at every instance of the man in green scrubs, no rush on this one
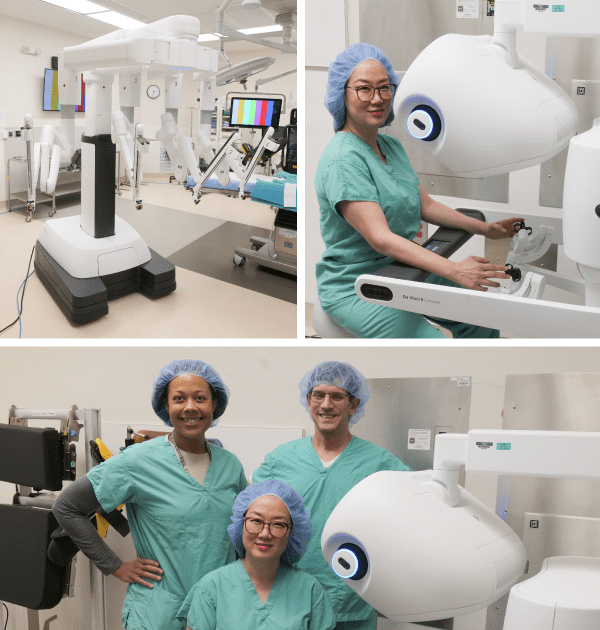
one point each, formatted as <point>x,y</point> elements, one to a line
<point>324,467</point>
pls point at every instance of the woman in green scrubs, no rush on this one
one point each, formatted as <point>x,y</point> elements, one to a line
<point>372,207</point>
<point>270,530</point>
<point>179,492</point>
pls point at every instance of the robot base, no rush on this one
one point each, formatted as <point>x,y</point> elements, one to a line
<point>85,300</point>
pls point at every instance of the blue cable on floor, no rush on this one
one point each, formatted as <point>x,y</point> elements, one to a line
<point>19,291</point>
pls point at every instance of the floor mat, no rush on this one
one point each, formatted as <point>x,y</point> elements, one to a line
<point>212,255</point>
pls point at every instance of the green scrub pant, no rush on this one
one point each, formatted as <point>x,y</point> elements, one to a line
<point>372,321</point>
<point>363,624</point>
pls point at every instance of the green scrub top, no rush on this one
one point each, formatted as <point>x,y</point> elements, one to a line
<point>227,600</point>
<point>349,170</point>
<point>173,520</point>
<point>297,464</point>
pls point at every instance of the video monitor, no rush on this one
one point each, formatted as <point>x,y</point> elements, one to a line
<point>51,98</point>
<point>255,112</point>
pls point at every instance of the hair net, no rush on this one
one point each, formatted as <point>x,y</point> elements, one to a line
<point>339,73</point>
<point>301,525</point>
<point>341,375</point>
<point>198,368</point>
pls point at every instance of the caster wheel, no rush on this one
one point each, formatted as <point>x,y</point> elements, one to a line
<point>138,206</point>
<point>27,219</point>
<point>120,193</point>
<point>255,247</point>
<point>240,261</point>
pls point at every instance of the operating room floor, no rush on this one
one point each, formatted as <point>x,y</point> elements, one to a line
<point>214,298</point>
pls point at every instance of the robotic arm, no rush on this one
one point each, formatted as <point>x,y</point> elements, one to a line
<point>52,152</point>
<point>132,143</point>
<point>236,159</point>
<point>204,145</point>
<point>31,166</point>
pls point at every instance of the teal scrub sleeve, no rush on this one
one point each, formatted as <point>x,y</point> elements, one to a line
<point>184,610</point>
<point>114,482</point>
<point>349,181</point>
<point>395,464</point>
<point>322,617</point>
<point>202,613</point>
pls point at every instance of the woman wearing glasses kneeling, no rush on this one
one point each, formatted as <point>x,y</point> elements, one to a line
<point>270,530</point>
<point>372,207</point>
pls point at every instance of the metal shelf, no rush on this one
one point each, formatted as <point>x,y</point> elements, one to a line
<point>66,188</point>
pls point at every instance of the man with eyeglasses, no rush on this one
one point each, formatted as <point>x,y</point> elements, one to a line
<point>324,467</point>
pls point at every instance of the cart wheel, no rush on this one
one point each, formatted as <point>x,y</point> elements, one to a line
<point>255,246</point>
<point>28,219</point>
<point>119,193</point>
<point>240,261</point>
<point>51,213</point>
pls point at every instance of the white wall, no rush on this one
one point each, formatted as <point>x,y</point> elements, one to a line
<point>22,81</point>
<point>263,381</point>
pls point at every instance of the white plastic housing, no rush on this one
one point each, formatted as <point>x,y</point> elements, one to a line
<point>581,201</point>
<point>426,560</point>
<point>578,18</point>
<point>169,44</point>
<point>564,595</point>
<point>130,89</point>
<point>70,84</point>
<point>174,91</point>
<point>84,256</point>
<point>558,454</point>
<point>494,119</point>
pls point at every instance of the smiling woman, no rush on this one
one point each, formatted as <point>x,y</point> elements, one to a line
<point>270,530</point>
<point>190,404</point>
<point>372,207</point>
<point>179,491</point>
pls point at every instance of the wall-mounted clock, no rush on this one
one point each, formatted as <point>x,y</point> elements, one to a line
<point>153,91</point>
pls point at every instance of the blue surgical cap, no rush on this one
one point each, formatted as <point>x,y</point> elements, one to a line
<point>301,525</point>
<point>339,73</point>
<point>341,375</point>
<point>198,368</point>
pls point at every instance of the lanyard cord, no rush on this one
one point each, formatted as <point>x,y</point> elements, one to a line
<point>171,439</point>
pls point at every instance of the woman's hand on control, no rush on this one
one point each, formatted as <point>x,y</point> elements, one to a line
<point>137,570</point>
<point>474,273</point>
<point>502,229</point>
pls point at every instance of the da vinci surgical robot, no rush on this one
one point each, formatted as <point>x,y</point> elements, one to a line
<point>418,547</point>
<point>443,103</point>
<point>86,260</point>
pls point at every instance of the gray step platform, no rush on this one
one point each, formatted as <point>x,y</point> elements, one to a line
<point>85,300</point>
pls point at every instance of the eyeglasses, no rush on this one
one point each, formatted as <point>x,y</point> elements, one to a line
<point>366,92</point>
<point>256,525</point>
<point>334,398</point>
